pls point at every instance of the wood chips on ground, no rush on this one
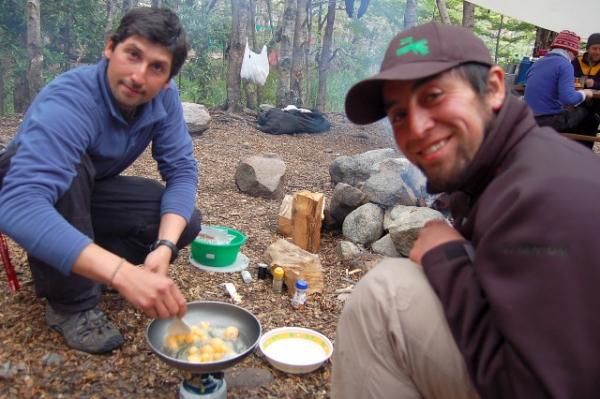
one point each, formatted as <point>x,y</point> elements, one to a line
<point>34,362</point>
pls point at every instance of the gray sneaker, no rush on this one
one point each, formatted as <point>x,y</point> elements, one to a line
<point>88,330</point>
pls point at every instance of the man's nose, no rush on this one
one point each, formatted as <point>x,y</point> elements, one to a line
<point>139,73</point>
<point>419,120</point>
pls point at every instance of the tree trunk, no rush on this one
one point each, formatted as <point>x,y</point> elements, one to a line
<point>34,49</point>
<point>127,6</point>
<point>410,14</point>
<point>324,59</point>
<point>308,102</point>
<point>21,92</point>
<point>249,88</point>
<point>2,97</point>
<point>498,36</point>
<point>236,56</point>
<point>300,35</point>
<point>284,63</point>
<point>66,37</point>
<point>468,15</point>
<point>111,10</point>
<point>441,4</point>
<point>543,39</point>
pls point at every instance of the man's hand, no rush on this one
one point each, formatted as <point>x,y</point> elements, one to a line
<point>153,293</point>
<point>158,261</point>
<point>589,82</point>
<point>434,233</point>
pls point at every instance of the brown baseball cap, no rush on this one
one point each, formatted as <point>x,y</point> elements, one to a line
<point>415,53</point>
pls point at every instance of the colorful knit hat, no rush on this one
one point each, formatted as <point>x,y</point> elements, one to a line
<point>567,40</point>
<point>593,39</point>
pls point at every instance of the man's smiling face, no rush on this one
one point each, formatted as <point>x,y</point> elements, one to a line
<point>137,70</point>
<point>439,124</point>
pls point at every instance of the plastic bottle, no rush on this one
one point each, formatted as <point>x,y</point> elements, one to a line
<point>278,280</point>
<point>246,276</point>
<point>523,68</point>
<point>299,299</point>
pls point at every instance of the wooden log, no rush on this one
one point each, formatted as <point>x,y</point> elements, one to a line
<point>581,137</point>
<point>307,218</point>
<point>297,264</point>
<point>284,221</point>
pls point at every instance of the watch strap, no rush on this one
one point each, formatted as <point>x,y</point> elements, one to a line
<point>173,247</point>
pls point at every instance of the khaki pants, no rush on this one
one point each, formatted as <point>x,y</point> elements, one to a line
<point>393,340</point>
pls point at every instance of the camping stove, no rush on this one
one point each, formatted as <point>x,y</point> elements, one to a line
<point>206,380</point>
<point>203,386</point>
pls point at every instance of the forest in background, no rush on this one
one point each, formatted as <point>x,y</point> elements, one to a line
<point>317,49</point>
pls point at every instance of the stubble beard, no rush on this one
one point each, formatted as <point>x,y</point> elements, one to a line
<point>451,178</point>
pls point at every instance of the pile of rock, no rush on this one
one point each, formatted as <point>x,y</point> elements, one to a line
<point>380,201</point>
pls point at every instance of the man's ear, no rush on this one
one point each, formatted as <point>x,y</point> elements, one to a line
<point>108,49</point>
<point>496,88</point>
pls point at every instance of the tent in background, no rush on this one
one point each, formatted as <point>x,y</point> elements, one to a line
<point>579,16</point>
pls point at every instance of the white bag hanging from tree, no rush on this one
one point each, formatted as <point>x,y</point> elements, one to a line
<point>255,67</point>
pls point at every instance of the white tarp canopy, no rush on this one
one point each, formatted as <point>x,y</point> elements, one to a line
<point>579,16</point>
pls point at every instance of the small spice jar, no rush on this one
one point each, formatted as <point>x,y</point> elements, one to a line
<point>262,271</point>
<point>278,280</point>
<point>299,299</point>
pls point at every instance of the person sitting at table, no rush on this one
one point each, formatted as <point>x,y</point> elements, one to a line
<point>550,91</point>
<point>588,64</point>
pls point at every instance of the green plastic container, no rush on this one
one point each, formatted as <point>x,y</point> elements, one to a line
<point>218,255</point>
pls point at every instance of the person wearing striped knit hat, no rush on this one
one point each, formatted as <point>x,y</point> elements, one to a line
<point>551,93</point>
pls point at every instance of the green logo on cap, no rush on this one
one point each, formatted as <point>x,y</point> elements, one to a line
<point>419,47</point>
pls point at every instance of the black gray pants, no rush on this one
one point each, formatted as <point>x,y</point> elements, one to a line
<point>121,214</point>
<point>580,119</point>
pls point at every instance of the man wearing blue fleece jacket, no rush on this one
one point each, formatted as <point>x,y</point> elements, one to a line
<point>62,197</point>
<point>551,94</point>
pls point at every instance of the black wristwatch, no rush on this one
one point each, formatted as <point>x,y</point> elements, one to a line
<point>169,244</point>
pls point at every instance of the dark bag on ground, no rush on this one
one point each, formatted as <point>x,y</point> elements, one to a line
<point>278,121</point>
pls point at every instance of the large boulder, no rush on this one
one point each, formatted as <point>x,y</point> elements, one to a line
<point>364,225</point>
<point>387,189</point>
<point>358,168</point>
<point>261,176</point>
<point>344,200</point>
<point>404,224</point>
<point>196,117</point>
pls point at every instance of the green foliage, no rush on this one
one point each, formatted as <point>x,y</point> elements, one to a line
<point>203,81</point>
<point>358,44</point>
<point>515,37</point>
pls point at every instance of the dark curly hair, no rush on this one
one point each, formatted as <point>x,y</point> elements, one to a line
<point>159,25</point>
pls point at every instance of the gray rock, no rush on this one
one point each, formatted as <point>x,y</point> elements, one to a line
<point>364,225</point>
<point>387,189</point>
<point>385,246</point>
<point>197,117</point>
<point>346,250</point>
<point>245,377</point>
<point>358,168</point>
<point>344,200</point>
<point>261,176</point>
<point>51,358</point>
<point>404,224</point>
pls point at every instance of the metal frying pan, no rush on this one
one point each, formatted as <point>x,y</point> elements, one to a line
<point>218,314</point>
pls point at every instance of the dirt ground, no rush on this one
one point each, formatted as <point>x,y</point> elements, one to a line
<point>34,362</point>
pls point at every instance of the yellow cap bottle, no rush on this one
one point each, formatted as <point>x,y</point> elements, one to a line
<point>278,280</point>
